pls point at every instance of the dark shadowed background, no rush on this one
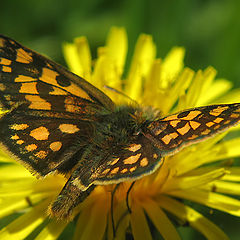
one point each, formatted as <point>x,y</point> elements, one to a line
<point>209,30</point>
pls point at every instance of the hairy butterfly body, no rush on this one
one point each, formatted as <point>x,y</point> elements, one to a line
<point>55,121</point>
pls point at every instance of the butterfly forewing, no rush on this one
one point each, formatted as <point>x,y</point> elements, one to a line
<point>173,132</point>
<point>28,77</point>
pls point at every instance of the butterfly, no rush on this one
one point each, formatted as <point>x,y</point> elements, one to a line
<point>57,122</point>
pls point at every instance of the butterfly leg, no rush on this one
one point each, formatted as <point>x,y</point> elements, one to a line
<point>70,196</point>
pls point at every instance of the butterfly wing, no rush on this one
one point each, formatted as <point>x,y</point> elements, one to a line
<point>49,109</point>
<point>165,137</point>
<point>172,133</point>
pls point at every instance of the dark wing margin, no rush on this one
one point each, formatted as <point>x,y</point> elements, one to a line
<point>172,133</point>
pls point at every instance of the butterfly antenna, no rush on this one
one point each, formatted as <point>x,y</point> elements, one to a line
<point>121,93</point>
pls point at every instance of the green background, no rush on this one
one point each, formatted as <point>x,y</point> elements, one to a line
<point>209,30</point>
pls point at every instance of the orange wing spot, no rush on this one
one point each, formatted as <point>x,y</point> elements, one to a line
<point>132,169</point>
<point>15,137</point>
<point>184,129</point>
<point>234,115</point>
<point>194,125</point>
<point>2,87</point>
<point>41,154</point>
<point>6,69</point>
<point>134,147</point>
<point>55,146</point>
<point>171,117</point>
<point>5,61</point>
<point>124,170</point>
<point>192,137</point>
<point>49,76</point>
<point>155,156</point>
<point>227,122</point>
<point>23,56</point>
<point>31,147</point>
<point>174,123</point>
<point>30,88</point>
<point>23,78</point>
<point>205,132</point>
<point>216,127</point>
<point>132,159</point>
<point>20,142</point>
<point>144,162</point>
<point>106,171</point>
<point>166,139</point>
<point>218,120</point>
<point>18,127</point>
<point>191,115</point>
<point>209,124</point>
<point>40,133</point>
<point>115,170</point>
<point>38,103</point>
<point>217,111</point>
<point>68,128</point>
<point>114,161</point>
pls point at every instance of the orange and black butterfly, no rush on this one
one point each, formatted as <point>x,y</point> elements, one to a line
<point>58,122</point>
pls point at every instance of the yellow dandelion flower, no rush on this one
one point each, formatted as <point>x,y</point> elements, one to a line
<point>198,173</point>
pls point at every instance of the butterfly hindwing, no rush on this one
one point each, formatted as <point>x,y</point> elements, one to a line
<point>172,133</point>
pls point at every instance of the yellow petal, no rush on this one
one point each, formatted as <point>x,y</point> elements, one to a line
<point>139,224</point>
<point>96,219</point>
<point>52,230</point>
<point>160,220</point>
<point>210,199</point>
<point>25,224</point>
<point>84,55</point>
<point>215,90</point>
<point>117,48</point>
<point>171,66</point>
<point>193,218</point>
<point>199,85</point>
<point>142,60</point>
<point>184,182</point>
<point>72,58</point>
<point>223,187</point>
